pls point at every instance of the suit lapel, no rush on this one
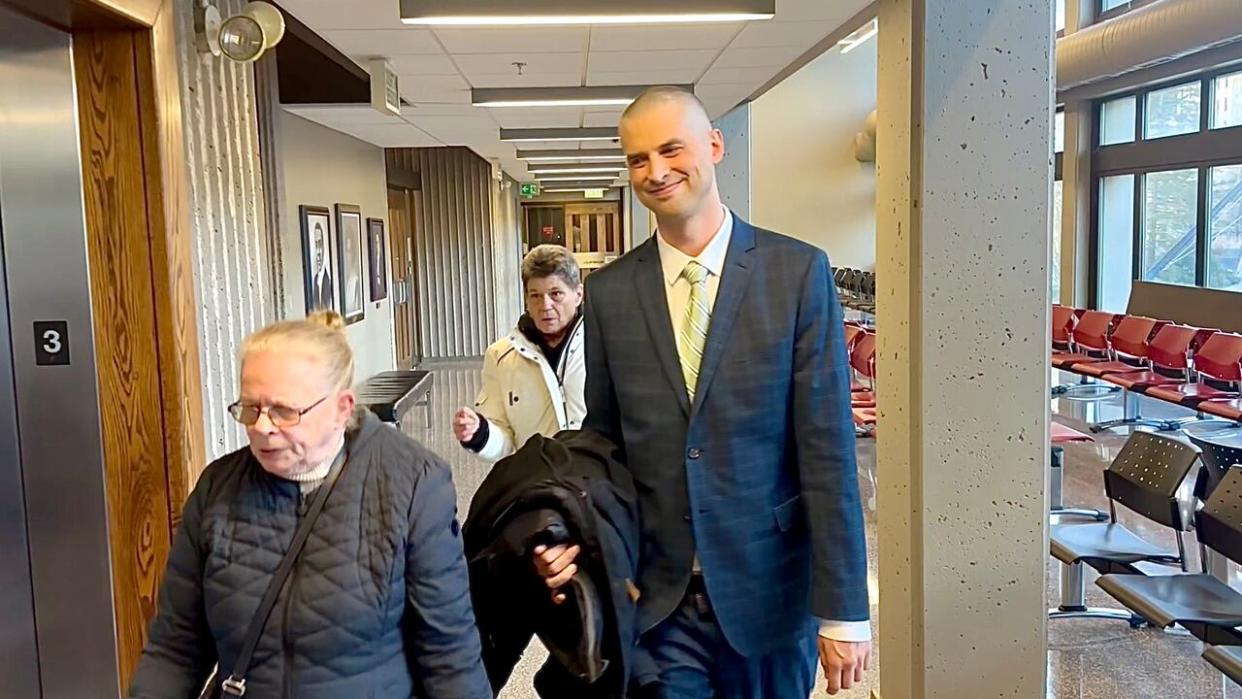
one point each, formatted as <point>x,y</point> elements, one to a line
<point>653,300</point>
<point>733,283</point>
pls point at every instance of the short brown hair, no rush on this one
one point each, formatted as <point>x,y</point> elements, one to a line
<point>547,260</point>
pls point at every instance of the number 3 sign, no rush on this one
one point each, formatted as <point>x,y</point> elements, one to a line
<point>51,342</point>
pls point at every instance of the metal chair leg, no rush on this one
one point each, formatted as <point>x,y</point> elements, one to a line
<point>1074,600</point>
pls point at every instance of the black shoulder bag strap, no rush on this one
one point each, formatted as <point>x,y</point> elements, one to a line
<point>235,685</point>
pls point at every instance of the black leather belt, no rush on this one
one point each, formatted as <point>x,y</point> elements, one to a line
<point>696,594</point>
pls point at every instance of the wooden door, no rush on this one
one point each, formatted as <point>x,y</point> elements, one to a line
<point>401,245</point>
<point>593,234</point>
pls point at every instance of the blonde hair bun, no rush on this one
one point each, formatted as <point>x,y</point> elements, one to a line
<point>328,319</point>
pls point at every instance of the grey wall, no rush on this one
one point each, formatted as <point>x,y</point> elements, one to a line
<point>323,167</point>
<point>733,173</point>
<point>235,284</point>
<point>461,300</point>
<point>805,181</point>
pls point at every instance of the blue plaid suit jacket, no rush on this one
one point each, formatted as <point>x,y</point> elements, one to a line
<point>758,475</point>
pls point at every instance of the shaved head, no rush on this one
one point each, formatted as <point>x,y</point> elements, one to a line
<point>667,94</point>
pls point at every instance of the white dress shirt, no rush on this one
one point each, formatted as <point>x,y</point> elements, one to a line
<point>677,288</point>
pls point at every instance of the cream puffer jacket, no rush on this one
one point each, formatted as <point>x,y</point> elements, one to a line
<point>523,395</point>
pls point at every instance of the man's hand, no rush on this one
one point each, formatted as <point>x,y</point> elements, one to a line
<point>844,663</point>
<point>465,424</point>
<point>556,566</point>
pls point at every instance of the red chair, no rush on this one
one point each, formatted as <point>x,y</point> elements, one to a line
<point>865,420</point>
<point>862,359</point>
<point>1063,318</point>
<point>852,332</point>
<point>1218,364</point>
<point>1229,409</point>
<point>1089,340</point>
<point>1128,348</point>
<point>1168,354</point>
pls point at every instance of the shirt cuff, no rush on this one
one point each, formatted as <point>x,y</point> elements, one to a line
<point>845,631</point>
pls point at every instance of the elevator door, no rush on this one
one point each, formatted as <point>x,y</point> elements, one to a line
<point>57,624</point>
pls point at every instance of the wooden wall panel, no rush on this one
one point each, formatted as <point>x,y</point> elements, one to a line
<point>126,339</point>
<point>167,205</point>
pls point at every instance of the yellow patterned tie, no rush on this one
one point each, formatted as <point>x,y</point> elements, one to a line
<point>693,333</point>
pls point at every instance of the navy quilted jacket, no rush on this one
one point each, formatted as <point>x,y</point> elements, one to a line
<point>377,606</point>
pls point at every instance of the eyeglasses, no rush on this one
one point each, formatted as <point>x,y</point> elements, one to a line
<point>280,415</point>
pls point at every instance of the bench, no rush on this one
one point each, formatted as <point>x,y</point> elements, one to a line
<point>392,394</point>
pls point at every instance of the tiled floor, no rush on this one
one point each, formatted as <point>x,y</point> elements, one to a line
<point>1087,659</point>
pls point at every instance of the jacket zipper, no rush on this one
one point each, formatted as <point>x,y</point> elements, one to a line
<point>560,373</point>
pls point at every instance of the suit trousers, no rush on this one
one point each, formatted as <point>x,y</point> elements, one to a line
<point>696,662</point>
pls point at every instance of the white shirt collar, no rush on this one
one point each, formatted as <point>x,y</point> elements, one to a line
<point>673,261</point>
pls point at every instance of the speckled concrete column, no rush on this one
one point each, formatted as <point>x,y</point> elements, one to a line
<point>964,181</point>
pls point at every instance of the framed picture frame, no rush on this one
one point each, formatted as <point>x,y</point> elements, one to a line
<point>378,266</point>
<point>351,265</point>
<point>319,274</point>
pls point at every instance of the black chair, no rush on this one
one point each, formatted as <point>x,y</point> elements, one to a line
<point>1145,478</point>
<point>1227,659</point>
<point>1209,609</point>
<point>1221,450</point>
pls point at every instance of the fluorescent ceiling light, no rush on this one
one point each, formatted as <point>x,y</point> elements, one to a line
<point>605,133</point>
<point>859,36</point>
<point>585,167</point>
<point>561,12</point>
<point>590,96</point>
<point>568,190</point>
<point>580,155</point>
<point>578,178</point>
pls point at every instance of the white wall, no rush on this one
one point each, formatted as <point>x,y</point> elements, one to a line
<point>323,167</point>
<point>804,180</point>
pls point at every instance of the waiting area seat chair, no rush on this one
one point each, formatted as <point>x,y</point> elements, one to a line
<point>1205,606</point>
<point>1169,364</point>
<point>1145,478</point>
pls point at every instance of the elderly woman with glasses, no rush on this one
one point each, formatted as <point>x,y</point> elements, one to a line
<point>376,603</point>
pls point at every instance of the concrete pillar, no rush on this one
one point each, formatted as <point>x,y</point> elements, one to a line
<point>733,173</point>
<point>963,188</point>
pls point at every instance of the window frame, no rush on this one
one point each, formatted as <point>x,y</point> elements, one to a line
<point>1102,15</point>
<point>1201,150</point>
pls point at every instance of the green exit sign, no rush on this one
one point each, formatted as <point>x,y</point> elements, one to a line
<point>530,189</point>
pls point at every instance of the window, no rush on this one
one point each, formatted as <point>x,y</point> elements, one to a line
<point>1106,5</point>
<point>1059,14</point>
<point>1168,205</point>
<point>1227,101</point>
<point>1171,111</point>
<point>1117,121</point>
<point>1224,247</point>
<point>1058,132</point>
<point>1170,233</point>
<point>1055,271</point>
<point>1116,242</point>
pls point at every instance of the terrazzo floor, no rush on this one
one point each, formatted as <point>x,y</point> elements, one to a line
<point>1087,659</point>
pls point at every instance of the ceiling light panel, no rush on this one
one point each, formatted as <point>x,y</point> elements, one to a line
<point>563,12</point>
<point>584,155</point>
<point>573,134</point>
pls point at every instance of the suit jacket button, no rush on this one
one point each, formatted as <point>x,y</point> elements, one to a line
<point>694,453</point>
<point>686,516</point>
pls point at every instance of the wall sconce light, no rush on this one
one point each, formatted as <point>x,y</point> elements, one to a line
<point>242,37</point>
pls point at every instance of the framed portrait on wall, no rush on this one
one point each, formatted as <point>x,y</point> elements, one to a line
<point>379,262</point>
<point>350,264</point>
<point>319,274</point>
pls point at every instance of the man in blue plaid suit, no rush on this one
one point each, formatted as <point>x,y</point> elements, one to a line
<point>715,356</point>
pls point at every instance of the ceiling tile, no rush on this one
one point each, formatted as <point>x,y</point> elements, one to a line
<point>837,11</point>
<point>639,38</point>
<point>513,40</point>
<point>343,114</point>
<point>745,76</point>
<point>473,64</point>
<point>537,118</point>
<point>392,136</point>
<point>629,61</point>
<point>671,75</point>
<point>332,14</point>
<point>383,42</point>
<point>422,65</point>
<point>601,118</point>
<point>758,57</point>
<point>435,88</point>
<point>421,109</point>
<point>777,34</point>
<point>527,80</point>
